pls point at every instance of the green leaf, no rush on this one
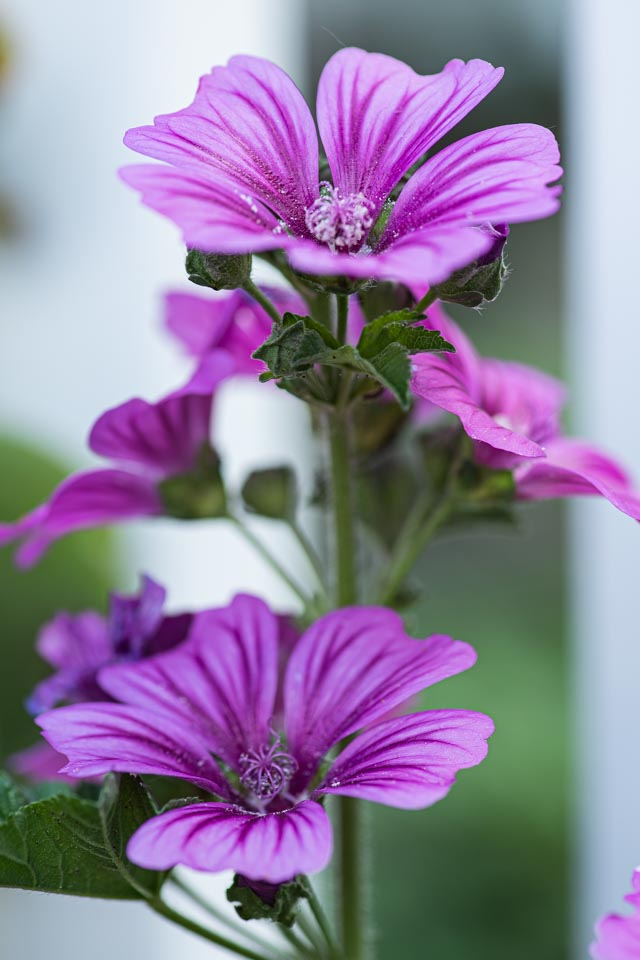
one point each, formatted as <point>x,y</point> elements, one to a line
<point>396,327</point>
<point>124,806</point>
<point>12,797</point>
<point>291,347</point>
<point>391,368</point>
<point>57,845</point>
<point>256,900</point>
<point>312,324</point>
<point>271,493</point>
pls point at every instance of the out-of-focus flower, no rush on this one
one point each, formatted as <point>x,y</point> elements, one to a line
<point>79,645</point>
<point>618,937</point>
<point>240,168</point>
<point>234,325</point>
<point>150,445</point>
<point>512,412</point>
<point>205,713</point>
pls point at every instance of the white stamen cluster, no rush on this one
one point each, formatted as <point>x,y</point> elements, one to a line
<point>342,222</point>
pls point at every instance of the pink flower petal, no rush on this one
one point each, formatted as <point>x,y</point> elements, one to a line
<point>412,761</point>
<point>377,116</point>
<point>215,836</point>
<point>573,468</point>
<point>498,176</point>
<point>349,669</point>
<point>221,682</point>
<point>98,738</point>
<point>250,124</point>
<point>82,502</point>
<point>163,437</point>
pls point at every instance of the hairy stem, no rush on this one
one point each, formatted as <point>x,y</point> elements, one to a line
<point>429,298</point>
<point>346,590</point>
<point>163,908</point>
<point>310,552</point>
<point>352,889</point>
<point>323,923</point>
<point>268,557</point>
<point>263,300</point>
<point>343,316</point>
<point>214,913</point>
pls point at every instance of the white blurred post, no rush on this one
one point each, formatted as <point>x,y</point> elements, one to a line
<point>603,202</point>
<point>80,306</point>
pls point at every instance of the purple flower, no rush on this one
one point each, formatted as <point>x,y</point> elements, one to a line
<point>147,443</point>
<point>233,324</point>
<point>512,412</point>
<point>618,938</point>
<point>240,171</point>
<point>205,713</point>
<point>79,645</point>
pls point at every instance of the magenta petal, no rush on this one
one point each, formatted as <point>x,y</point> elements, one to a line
<point>443,382</point>
<point>76,645</point>
<point>250,125</point>
<point>213,216</point>
<point>39,763</point>
<point>573,468</point>
<point>425,256</point>
<point>164,437</point>
<point>350,668</point>
<point>234,324</point>
<point>497,176</point>
<point>618,937</point>
<point>81,502</point>
<point>377,116</point>
<point>221,682</point>
<point>98,738</point>
<point>214,836</point>
<point>412,761</point>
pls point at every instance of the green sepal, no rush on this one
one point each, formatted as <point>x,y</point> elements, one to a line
<point>479,283</point>
<point>272,493</point>
<point>383,297</point>
<point>257,900</point>
<point>57,845</point>
<point>125,804</point>
<point>218,271</point>
<point>198,494</point>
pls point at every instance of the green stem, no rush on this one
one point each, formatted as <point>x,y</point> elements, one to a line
<point>352,891</point>
<point>213,912</point>
<point>419,528</point>
<point>323,923</point>
<point>343,316</point>
<point>422,522</point>
<point>268,557</point>
<point>263,300</point>
<point>159,906</point>
<point>429,298</point>
<point>310,552</point>
<point>346,590</point>
<point>302,948</point>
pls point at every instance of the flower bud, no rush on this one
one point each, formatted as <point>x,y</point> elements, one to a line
<point>271,493</point>
<point>198,494</point>
<point>482,280</point>
<point>217,270</point>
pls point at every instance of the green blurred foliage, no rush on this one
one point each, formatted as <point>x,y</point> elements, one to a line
<point>484,872</point>
<point>76,574</point>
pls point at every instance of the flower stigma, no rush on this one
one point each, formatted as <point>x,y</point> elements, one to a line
<point>267,769</point>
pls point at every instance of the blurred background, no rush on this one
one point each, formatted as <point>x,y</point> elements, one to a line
<point>532,845</point>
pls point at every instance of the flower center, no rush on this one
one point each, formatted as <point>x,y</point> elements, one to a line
<point>342,222</point>
<point>266,770</point>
